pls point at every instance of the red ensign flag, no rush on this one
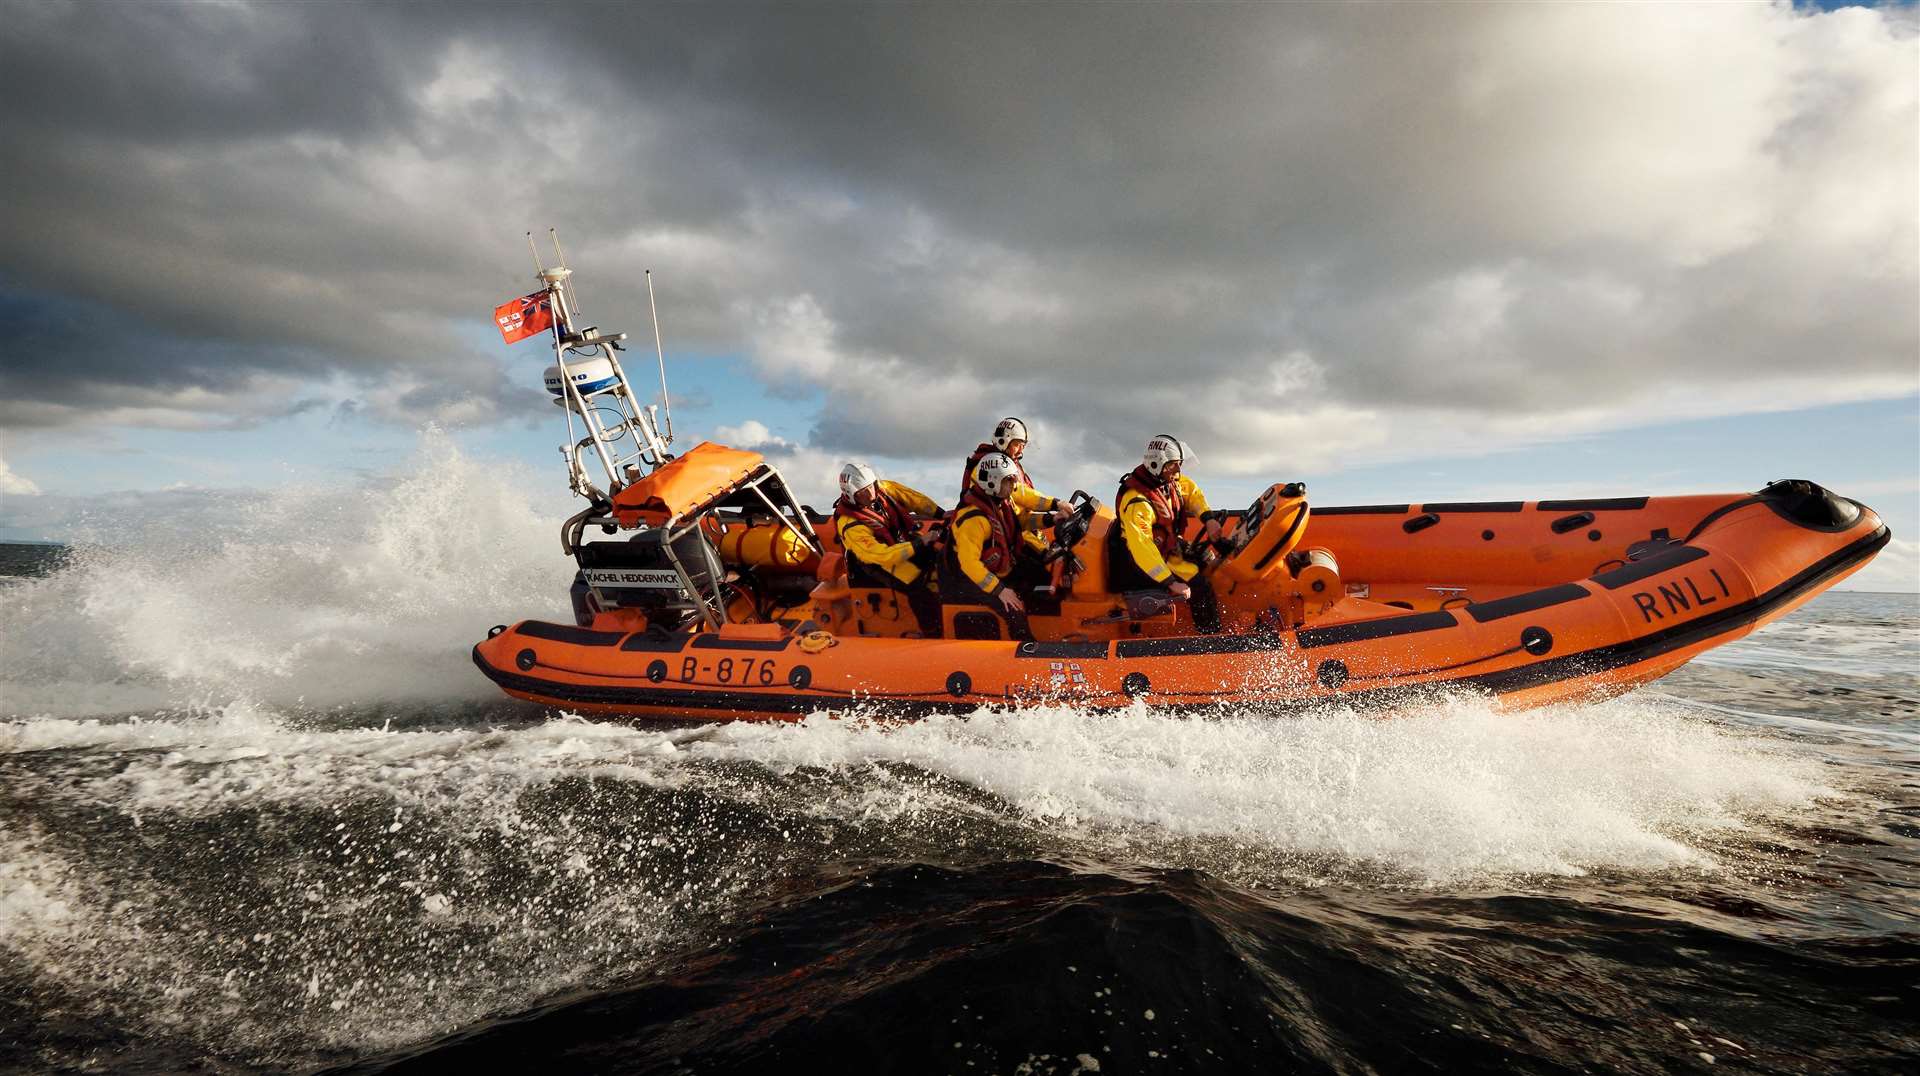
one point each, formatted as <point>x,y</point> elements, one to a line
<point>524,317</point>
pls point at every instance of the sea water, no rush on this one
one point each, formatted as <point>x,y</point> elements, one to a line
<point>259,812</point>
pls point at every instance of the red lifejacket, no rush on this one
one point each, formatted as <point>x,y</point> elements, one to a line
<point>1167,509</point>
<point>1003,541</point>
<point>890,523</point>
<point>966,475</point>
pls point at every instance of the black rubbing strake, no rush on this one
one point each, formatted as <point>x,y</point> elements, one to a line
<point>1183,645</point>
<point>1364,630</point>
<point>1483,612</point>
<point>1666,559</point>
<point>714,642</point>
<point>1364,510</point>
<point>1475,506</point>
<point>1594,504</point>
<point>647,642</point>
<point>1038,649</point>
<point>567,633</point>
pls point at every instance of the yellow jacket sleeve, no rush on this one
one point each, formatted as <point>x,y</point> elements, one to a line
<point>1028,499</point>
<point>858,540</point>
<point>1136,523</point>
<point>1192,501</point>
<point>969,538</point>
<point>914,501</point>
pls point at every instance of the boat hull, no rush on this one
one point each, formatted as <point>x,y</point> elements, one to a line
<point>1745,561</point>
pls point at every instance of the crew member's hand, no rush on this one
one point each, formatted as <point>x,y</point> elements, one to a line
<point>1179,590</point>
<point>1213,530</point>
<point>1011,602</point>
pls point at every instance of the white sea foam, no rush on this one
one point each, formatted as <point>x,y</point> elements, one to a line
<point>1453,790</point>
<point>274,876</point>
<point>310,597</point>
<point>353,874</point>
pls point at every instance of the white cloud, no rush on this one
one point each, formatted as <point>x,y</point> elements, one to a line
<point>812,474</point>
<point>14,484</point>
<point>751,434</point>
<point>1460,228</point>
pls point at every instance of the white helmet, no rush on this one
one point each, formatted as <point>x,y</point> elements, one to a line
<point>1007,432</point>
<point>855,477</point>
<point>991,471</point>
<point>1162,450</point>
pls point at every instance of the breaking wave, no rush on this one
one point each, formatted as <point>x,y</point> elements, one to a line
<point>308,598</point>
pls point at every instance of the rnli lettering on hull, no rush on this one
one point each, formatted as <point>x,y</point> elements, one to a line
<point>1672,599</point>
<point>648,578</point>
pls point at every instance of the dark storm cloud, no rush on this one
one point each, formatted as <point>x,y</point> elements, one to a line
<point>1271,223</point>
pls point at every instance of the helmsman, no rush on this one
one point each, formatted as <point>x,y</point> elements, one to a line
<point>1144,546</point>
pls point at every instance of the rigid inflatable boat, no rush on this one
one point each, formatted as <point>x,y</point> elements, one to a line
<point>705,591</point>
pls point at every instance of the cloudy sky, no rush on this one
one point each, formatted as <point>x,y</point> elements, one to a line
<point>1405,251</point>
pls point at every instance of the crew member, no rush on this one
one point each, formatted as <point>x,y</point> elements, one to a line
<point>875,521</point>
<point>992,551</point>
<point>1010,440</point>
<point>1143,547</point>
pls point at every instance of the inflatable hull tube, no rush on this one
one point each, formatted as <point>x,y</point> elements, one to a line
<point>1665,580</point>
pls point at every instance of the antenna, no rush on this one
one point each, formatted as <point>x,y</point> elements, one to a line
<point>573,297</point>
<point>536,254</point>
<point>660,355</point>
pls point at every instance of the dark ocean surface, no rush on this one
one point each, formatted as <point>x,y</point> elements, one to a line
<point>258,813</point>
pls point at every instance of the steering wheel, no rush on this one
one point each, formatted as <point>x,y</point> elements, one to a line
<point>1068,532</point>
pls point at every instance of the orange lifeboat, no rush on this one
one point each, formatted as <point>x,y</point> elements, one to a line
<point>730,602</point>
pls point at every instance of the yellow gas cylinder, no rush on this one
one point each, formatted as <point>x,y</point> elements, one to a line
<point>766,545</point>
<point>1268,532</point>
<point>1316,577</point>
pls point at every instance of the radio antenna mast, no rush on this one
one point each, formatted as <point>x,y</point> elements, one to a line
<point>531,249</point>
<point>573,297</point>
<point>660,355</point>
